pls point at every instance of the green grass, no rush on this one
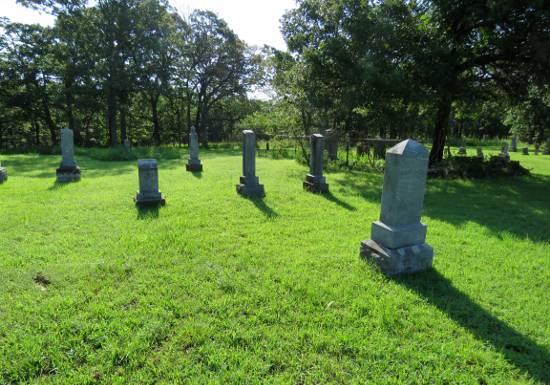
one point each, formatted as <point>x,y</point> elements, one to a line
<point>217,289</point>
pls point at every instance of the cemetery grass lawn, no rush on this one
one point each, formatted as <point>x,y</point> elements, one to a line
<point>217,289</point>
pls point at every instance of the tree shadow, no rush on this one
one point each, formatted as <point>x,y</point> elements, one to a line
<point>332,198</point>
<point>520,206</point>
<point>519,350</point>
<point>145,212</point>
<point>263,207</point>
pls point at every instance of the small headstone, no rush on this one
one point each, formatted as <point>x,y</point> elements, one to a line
<point>547,148</point>
<point>449,153</point>
<point>332,144</point>
<point>397,243</point>
<point>480,153</point>
<point>537,148</point>
<point>148,193</point>
<point>126,144</point>
<point>193,163</point>
<point>514,144</point>
<point>315,181</point>
<point>249,185</point>
<point>525,151</point>
<point>3,174</point>
<point>462,150</point>
<point>68,170</point>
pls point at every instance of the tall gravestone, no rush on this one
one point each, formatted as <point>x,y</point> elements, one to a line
<point>514,144</point>
<point>68,170</point>
<point>397,243</point>
<point>315,181</point>
<point>148,193</point>
<point>547,148</point>
<point>3,174</point>
<point>537,148</point>
<point>193,163</point>
<point>249,183</point>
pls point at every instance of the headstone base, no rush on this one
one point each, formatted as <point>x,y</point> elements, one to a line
<point>193,167</point>
<point>149,200</point>
<point>404,260</point>
<point>3,174</point>
<point>68,174</point>
<point>250,189</point>
<point>313,184</point>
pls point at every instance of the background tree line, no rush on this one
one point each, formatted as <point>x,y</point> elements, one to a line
<point>429,69</point>
<point>121,69</point>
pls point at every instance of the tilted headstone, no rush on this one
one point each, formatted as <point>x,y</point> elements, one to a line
<point>525,151</point>
<point>397,243</point>
<point>68,170</point>
<point>514,144</point>
<point>332,144</point>
<point>462,150</point>
<point>480,153</point>
<point>249,183</point>
<point>148,193</point>
<point>547,149</point>
<point>193,163</point>
<point>3,174</point>
<point>315,181</point>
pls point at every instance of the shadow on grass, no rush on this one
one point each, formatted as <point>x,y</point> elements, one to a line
<point>59,185</point>
<point>197,174</point>
<point>148,212</point>
<point>330,197</point>
<point>518,349</point>
<point>263,207</point>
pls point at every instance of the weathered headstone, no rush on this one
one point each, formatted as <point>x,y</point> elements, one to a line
<point>504,152</point>
<point>514,144</point>
<point>537,148</point>
<point>148,193</point>
<point>547,149</point>
<point>3,174</point>
<point>525,151</point>
<point>68,170</point>
<point>449,153</point>
<point>332,144</point>
<point>315,181</point>
<point>249,183</point>
<point>462,150</point>
<point>193,163</point>
<point>126,144</point>
<point>397,243</point>
<point>480,153</point>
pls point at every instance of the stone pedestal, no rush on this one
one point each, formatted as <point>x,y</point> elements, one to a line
<point>249,184</point>
<point>514,144</point>
<point>148,193</point>
<point>397,243</point>
<point>193,163</point>
<point>3,174</point>
<point>315,181</point>
<point>68,170</point>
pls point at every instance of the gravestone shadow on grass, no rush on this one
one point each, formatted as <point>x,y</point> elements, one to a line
<point>197,174</point>
<point>58,185</point>
<point>332,198</point>
<point>151,211</point>
<point>518,350</point>
<point>263,207</point>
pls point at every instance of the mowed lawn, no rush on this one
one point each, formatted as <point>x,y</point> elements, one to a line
<point>214,288</point>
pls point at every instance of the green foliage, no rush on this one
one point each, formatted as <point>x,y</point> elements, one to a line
<point>134,153</point>
<point>215,288</point>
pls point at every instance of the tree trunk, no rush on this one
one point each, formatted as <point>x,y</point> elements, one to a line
<point>440,129</point>
<point>156,123</point>
<point>111,117</point>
